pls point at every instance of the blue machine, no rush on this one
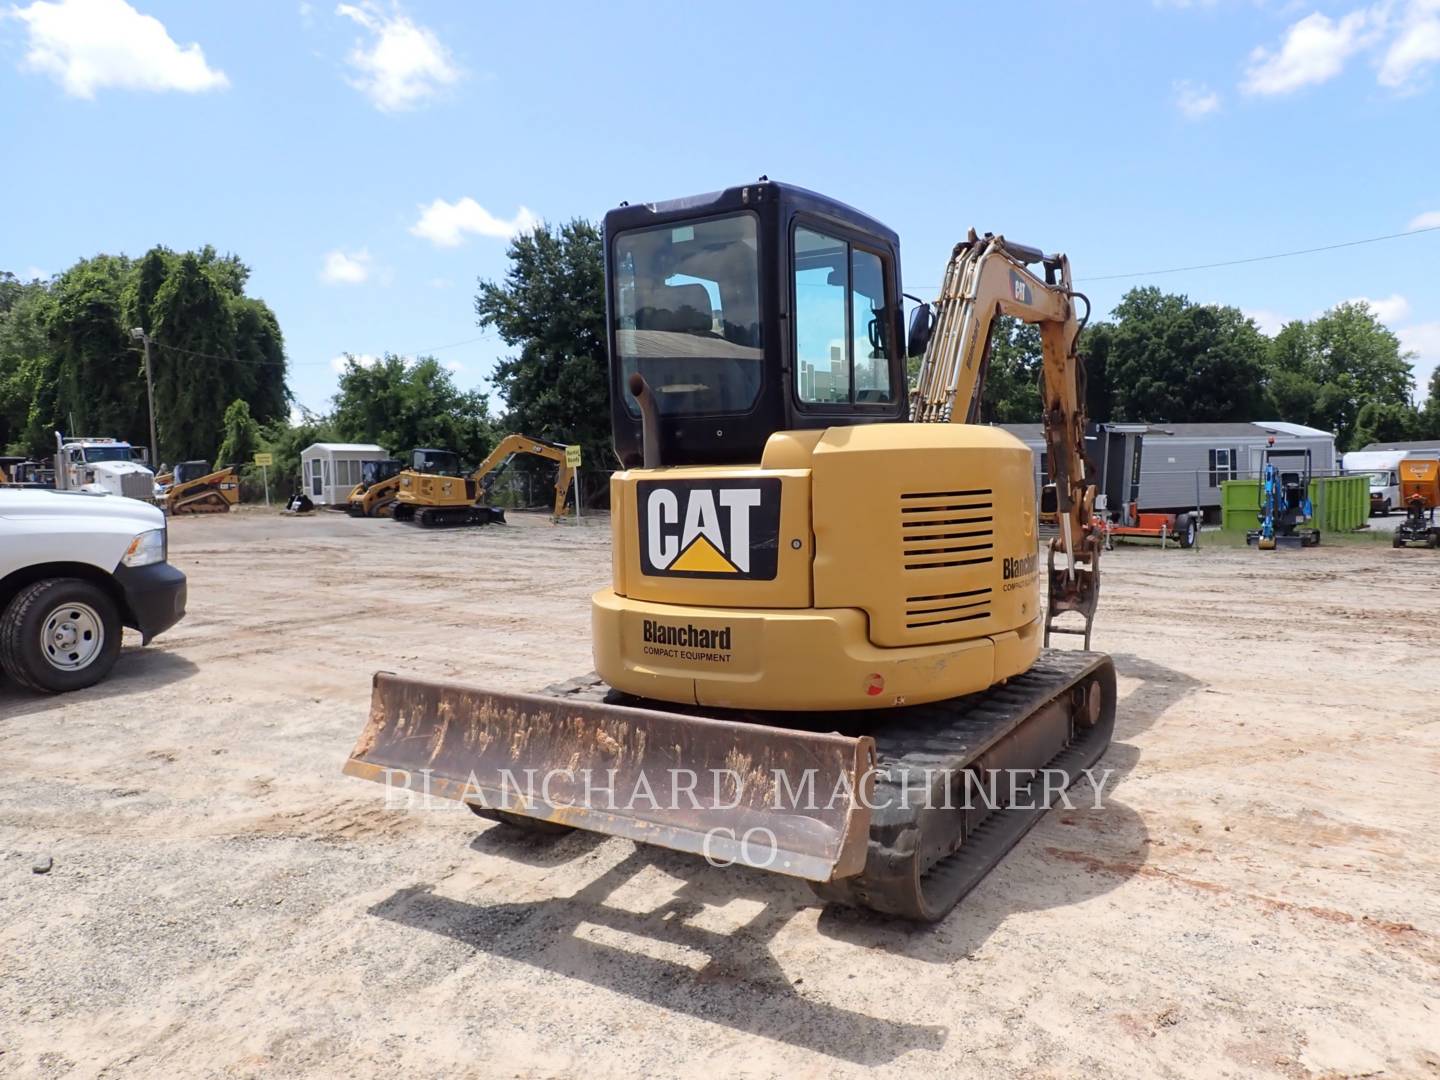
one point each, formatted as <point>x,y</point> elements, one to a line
<point>1284,503</point>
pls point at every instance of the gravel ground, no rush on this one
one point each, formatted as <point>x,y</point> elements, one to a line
<point>1258,898</point>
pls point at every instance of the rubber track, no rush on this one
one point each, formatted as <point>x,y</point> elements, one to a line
<point>912,871</point>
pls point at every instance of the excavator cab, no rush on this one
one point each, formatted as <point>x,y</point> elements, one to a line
<point>748,311</point>
<point>435,462</point>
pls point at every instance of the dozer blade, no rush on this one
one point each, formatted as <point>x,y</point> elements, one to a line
<point>789,801</point>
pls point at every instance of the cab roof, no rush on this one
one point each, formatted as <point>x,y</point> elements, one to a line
<point>743,197</point>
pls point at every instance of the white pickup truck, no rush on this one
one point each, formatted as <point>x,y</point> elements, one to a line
<point>76,567</point>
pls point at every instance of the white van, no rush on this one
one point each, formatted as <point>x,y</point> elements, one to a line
<point>1383,468</point>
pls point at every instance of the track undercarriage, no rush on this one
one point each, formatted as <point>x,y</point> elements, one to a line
<point>433,517</point>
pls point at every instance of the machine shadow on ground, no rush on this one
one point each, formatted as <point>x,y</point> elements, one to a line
<point>138,671</point>
<point>740,983</point>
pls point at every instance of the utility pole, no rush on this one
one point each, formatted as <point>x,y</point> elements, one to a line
<point>140,335</point>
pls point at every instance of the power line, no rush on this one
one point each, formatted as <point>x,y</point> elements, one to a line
<point>1241,262</point>
<point>1266,258</point>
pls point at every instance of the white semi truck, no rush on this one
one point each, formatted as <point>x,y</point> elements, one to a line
<point>103,465</point>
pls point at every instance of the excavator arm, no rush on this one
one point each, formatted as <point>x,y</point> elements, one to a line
<point>511,445</point>
<point>988,277</point>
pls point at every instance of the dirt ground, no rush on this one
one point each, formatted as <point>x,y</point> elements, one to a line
<point>1259,897</point>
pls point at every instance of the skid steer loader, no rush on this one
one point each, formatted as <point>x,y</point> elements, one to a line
<point>195,488</point>
<point>823,652</point>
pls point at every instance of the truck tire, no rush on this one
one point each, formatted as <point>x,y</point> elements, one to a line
<point>59,634</point>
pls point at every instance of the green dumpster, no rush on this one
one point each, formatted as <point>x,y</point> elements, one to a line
<point>1340,504</point>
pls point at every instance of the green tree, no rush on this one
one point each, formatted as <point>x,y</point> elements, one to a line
<point>1386,422</point>
<point>551,306</point>
<point>24,352</point>
<point>1012,384</point>
<point>1326,371</point>
<point>1429,426</point>
<point>1169,359</point>
<point>88,381</point>
<point>1094,348</point>
<point>242,436</point>
<point>67,359</point>
<point>403,405</point>
<point>286,440</point>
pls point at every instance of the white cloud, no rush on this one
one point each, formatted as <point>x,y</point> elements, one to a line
<point>1314,50</point>
<point>1195,99</point>
<point>1388,309</point>
<point>1269,322</point>
<point>1428,220</point>
<point>445,223</point>
<point>1423,339</point>
<point>454,365</point>
<point>1415,46</point>
<point>34,273</point>
<point>342,268</point>
<point>363,359</point>
<point>402,64</point>
<point>88,45</point>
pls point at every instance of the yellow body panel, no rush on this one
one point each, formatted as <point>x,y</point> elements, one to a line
<point>790,586</point>
<point>782,658</point>
<point>427,489</point>
<point>900,566</point>
<point>366,499</point>
<point>912,522</point>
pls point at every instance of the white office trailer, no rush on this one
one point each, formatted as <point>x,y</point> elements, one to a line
<point>329,470</point>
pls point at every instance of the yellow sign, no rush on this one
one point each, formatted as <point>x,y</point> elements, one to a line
<point>572,456</point>
<point>264,459</point>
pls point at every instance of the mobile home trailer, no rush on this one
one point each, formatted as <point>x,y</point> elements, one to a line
<point>1181,466</point>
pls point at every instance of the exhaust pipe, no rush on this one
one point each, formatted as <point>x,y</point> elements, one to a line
<point>649,420</point>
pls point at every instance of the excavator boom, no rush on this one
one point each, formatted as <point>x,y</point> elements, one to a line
<point>988,277</point>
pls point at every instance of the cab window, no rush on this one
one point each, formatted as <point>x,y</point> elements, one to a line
<point>841,354</point>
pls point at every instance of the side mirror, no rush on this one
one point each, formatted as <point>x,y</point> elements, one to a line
<point>922,322</point>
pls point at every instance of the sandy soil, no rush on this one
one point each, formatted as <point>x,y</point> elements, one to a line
<point>1259,897</point>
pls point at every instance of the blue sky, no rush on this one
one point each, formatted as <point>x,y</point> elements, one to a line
<point>369,160</point>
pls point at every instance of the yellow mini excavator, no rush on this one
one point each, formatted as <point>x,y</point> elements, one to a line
<point>823,652</point>
<point>432,492</point>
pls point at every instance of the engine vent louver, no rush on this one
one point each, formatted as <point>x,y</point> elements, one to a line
<point>947,528</point>
<point>942,608</point>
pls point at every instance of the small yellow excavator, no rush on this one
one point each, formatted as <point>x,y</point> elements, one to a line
<point>194,488</point>
<point>433,493</point>
<point>374,495</point>
<point>823,652</point>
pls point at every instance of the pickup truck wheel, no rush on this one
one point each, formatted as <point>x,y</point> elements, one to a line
<point>59,634</point>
